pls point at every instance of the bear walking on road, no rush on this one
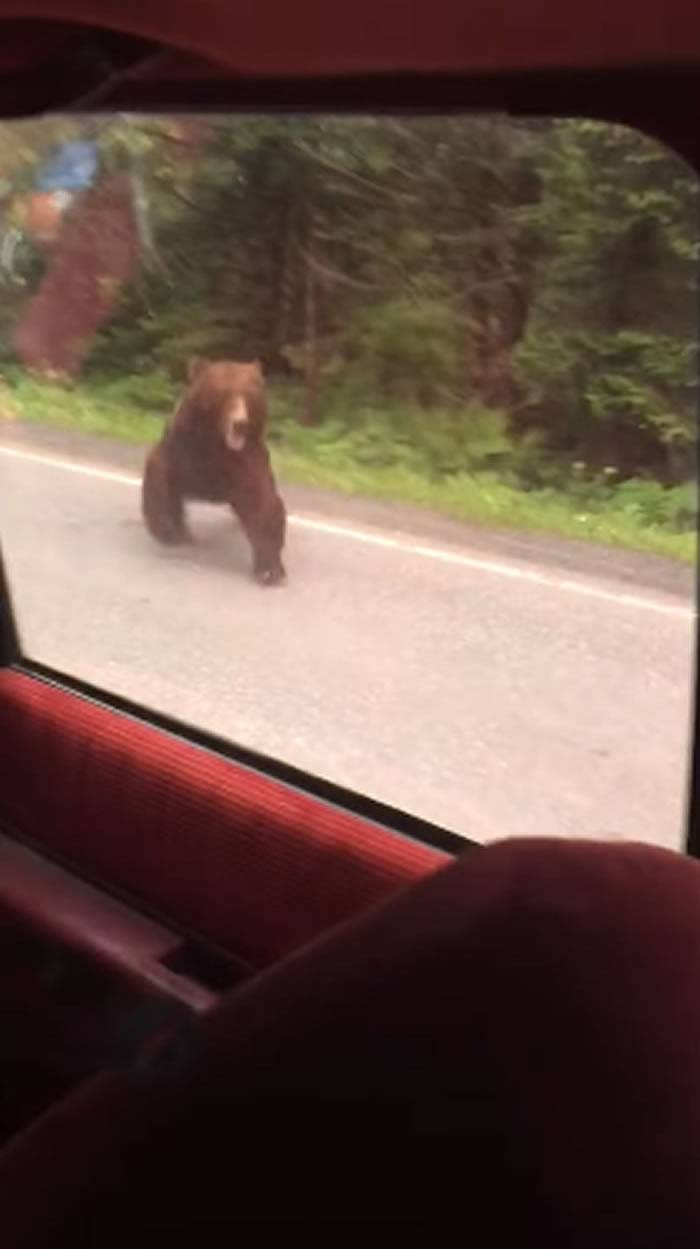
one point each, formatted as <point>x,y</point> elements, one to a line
<point>213,449</point>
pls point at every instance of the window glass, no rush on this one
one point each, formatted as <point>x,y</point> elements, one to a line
<point>460,354</point>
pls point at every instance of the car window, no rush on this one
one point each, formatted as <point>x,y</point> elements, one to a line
<point>368,444</point>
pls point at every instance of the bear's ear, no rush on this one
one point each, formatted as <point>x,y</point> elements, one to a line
<point>195,365</point>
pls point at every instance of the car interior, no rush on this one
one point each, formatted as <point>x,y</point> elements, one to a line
<point>236,992</point>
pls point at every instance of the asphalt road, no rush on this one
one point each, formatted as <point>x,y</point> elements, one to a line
<point>495,684</point>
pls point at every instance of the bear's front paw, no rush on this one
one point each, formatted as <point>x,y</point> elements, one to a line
<point>271,576</point>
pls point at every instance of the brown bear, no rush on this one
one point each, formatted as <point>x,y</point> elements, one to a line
<point>213,449</point>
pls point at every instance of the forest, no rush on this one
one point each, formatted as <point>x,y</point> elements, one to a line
<point>489,317</point>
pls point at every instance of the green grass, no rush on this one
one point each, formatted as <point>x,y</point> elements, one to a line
<point>481,499</point>
<point>122,410</point>
<point>368,460</point>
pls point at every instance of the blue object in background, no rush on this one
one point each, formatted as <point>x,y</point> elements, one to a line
<point>73,167</point>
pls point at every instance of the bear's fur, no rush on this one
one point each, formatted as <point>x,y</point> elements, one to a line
<point>213,449</point>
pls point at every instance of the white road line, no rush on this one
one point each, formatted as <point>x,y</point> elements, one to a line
<point>403,545</point>
<point>67,466</point>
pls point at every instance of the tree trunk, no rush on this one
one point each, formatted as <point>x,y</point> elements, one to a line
<point>498,320</point>
<point>285,286</point>
<point>311,352</point>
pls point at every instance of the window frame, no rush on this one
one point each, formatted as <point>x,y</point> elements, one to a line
<point>651,99</point>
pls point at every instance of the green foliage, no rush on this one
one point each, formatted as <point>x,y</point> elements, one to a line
<point>132,410</point>
<point>674,510</point>
<point>439,443</point>
<point>406,349</point>
<point>626,400</point>
<point>608,366</point>
<point>544,269</point>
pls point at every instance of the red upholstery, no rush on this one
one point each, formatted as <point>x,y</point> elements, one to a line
<point>510,1048</point>
<point>312,36</point>
<point>245,862</point>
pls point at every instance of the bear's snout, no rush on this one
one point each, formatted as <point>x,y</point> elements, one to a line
<point>235,424</point>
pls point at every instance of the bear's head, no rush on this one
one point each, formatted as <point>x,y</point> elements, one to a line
<point>232,395</point>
